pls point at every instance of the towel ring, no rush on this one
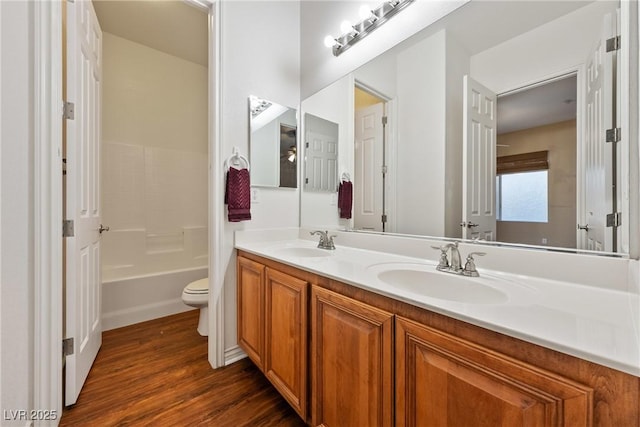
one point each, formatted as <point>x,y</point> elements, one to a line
<point>345,176</point>
<point>236,159</point>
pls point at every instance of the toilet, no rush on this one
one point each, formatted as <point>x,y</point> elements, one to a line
<point>196,294</point>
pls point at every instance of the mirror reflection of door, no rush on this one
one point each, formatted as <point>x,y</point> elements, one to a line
<point>369,172</point>
<point>479,144</point>
<point>321,154</point>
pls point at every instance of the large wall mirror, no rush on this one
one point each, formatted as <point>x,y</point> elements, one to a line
<point>273,144</point>
<point>490,124</point>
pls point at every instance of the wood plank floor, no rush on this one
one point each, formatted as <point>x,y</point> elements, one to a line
<point>157,373</point>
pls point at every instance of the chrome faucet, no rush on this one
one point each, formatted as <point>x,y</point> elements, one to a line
<point>326,240</point>
<point>455,266</point>
<point>456,262</point>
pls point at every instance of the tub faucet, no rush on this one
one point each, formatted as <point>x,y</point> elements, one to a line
<point>326,240</point>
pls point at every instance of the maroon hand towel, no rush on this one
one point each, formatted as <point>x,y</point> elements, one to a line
<point>345,199</point>
<point>237,195</point>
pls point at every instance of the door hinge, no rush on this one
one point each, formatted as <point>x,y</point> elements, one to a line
<point>306,145</point>
<point>613,135</point>
<point>64,166</point>
<point>306,180</point>
<point>384,218</point>
<point>67,228</point>
<point>384,169</point>
<point>613,44</point>
<point>67,347</point>
<point>614,219</point>
<point>68,110</point>
<point>384,120</point>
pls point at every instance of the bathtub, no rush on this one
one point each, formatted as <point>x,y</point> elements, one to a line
<point>143,274</point>
<point>137,299</point>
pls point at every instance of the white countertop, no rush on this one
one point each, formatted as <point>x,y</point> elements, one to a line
<point>596,324</point>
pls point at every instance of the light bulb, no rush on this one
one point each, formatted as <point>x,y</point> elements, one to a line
<point>346,27</point>
<point>365,12</point>
<point>329,41</point>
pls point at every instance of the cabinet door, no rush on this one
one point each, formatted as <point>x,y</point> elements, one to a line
<point>443,381</point>
<point>286,337</point>
<point>251,309</point>
<point>352,365</point>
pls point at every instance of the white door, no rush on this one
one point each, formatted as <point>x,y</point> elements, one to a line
<point>368,189</point>
<point>322,162</point>
<point>598,191</point>
<point>479,162</point>
<point>83,296</point>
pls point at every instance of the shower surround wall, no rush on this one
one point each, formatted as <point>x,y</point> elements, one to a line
<point>154,180</point>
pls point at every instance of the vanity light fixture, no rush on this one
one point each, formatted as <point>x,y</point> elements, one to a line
<point>258,105</point>
<point>370,20</point>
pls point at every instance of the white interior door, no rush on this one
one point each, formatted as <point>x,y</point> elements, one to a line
<point>83,290</point>
<point>322,162</point>
<point>598,193</point>
<point>368,189</point>
<point>479,162</point>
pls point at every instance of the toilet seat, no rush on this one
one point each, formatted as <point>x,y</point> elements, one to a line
<point>199,287</point>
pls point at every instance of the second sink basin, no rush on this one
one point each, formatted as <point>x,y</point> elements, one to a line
<point>424,280</point>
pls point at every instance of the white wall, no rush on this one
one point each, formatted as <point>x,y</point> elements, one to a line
<point>457,66</point>
<point>421,83</point>
<point>552,48</point>
<point>334,103</point>
<point>17,281</point>
<point>154,174</point>
<point>319,18</point>
<point>265,66</point>
<point>154,170</point>
<point>380,74</point>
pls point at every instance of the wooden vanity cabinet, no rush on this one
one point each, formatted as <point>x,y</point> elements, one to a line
<point>272,328</point>
<point>442,380</point>
<point>251,295</point>
<point>363,359</point>
<point>351,362</point>
<point>286,337</point>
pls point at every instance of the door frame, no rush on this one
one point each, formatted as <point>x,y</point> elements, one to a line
<point>389,150</point>
<point>48,258</point>
<point>578,71</point>
<point>47,198</point>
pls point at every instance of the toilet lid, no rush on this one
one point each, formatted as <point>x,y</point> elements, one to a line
<point>198,287</point>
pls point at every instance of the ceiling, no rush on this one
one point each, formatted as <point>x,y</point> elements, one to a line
<point>481,25</point>
<point>173,27</point>
<point>541,105</point>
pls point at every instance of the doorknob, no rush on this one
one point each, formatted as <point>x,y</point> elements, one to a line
<point>102,228</point>
<point>468,224</point>
<point>583,227</point>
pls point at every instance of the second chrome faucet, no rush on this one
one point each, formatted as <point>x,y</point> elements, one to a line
<point>455,265</point>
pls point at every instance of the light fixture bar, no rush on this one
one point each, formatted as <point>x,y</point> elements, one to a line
<point>379,16</point>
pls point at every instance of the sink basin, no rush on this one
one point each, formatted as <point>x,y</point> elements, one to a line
<point>425,280</point>
<point>302,252</point>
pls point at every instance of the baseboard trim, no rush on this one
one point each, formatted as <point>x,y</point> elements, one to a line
<point>130,316</point>
<point>233,354</point>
